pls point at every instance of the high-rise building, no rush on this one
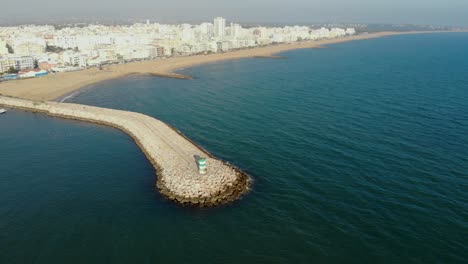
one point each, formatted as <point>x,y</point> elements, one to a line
<point>219,27</point>
<point>235,30</point>
<point>207,29</point>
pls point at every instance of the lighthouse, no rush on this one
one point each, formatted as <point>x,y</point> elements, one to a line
<point>202,165</point>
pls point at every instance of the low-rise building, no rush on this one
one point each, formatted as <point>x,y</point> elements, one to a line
<point>32,73</point>
<point>46,66</point>
<point>16,62</point>
<point>71,58</point>
<point>6,63</point>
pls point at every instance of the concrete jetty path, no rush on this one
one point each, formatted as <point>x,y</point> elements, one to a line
<point>172,154</point>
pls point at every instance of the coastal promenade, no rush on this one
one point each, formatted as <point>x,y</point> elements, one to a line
<point>172,155</point>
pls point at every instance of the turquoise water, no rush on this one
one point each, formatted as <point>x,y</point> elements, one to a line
<point>358,151</point>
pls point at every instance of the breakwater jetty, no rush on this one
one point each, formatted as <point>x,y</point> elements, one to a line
<point>173,155</point>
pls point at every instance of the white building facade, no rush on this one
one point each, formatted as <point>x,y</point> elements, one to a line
<point>219,27</point>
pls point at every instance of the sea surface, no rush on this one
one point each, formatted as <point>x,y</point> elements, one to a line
<point>359,154</point>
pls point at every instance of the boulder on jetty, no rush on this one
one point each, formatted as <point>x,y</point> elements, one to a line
<point>172,154</point>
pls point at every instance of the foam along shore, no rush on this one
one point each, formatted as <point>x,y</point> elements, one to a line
<point>173,155</point>
<point>61,84</point>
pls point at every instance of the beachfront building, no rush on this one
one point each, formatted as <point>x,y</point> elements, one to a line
<point>337,32</point>
<point>138,52</point>
<point>319,33</point>
<point>16,62</point>
<point>223,46</point>
<point>235,30</point>
<point>350,31</point>
<point>93,45</point>
<point>76,59</point>
<point>32,73</point>
<point>24,62</point>
<point>46,65</point>
<point>219,27</point>
<point>6,63</point>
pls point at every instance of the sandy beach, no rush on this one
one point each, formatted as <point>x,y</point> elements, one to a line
<point>58,85</point>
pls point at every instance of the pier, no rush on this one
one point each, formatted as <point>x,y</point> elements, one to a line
<point>174,157</point>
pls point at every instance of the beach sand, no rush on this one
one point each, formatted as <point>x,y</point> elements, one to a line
<point>58,85</point>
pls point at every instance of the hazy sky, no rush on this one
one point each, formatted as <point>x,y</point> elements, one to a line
<point>440,12</point>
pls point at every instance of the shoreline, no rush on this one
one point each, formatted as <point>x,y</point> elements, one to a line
<point>169,151</point>
<point>60,85</point>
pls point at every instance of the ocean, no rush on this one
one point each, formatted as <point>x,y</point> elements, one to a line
<point>358,153</point>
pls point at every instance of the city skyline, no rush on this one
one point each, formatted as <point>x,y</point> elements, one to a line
<point>449,13</point>
<point>50,49</point>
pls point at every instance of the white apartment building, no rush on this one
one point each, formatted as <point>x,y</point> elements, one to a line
<point>138,52</point>
<point>24,62</point>
<point>29,46</point>
<point>337,32</point>
<point>350,31</point>
<point>235,30</point>
<point>3,48</point>
<point>187,35</point>
<point>6,63</point>
<point>224,46</point>
<point>29,49</point>
<point>207,30</point>
<point>71,58</point>
<point>219,27</point>
<point>65,42</point>
<point>16,62</point>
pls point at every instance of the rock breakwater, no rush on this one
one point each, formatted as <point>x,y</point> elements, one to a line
<point>173,155</point>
